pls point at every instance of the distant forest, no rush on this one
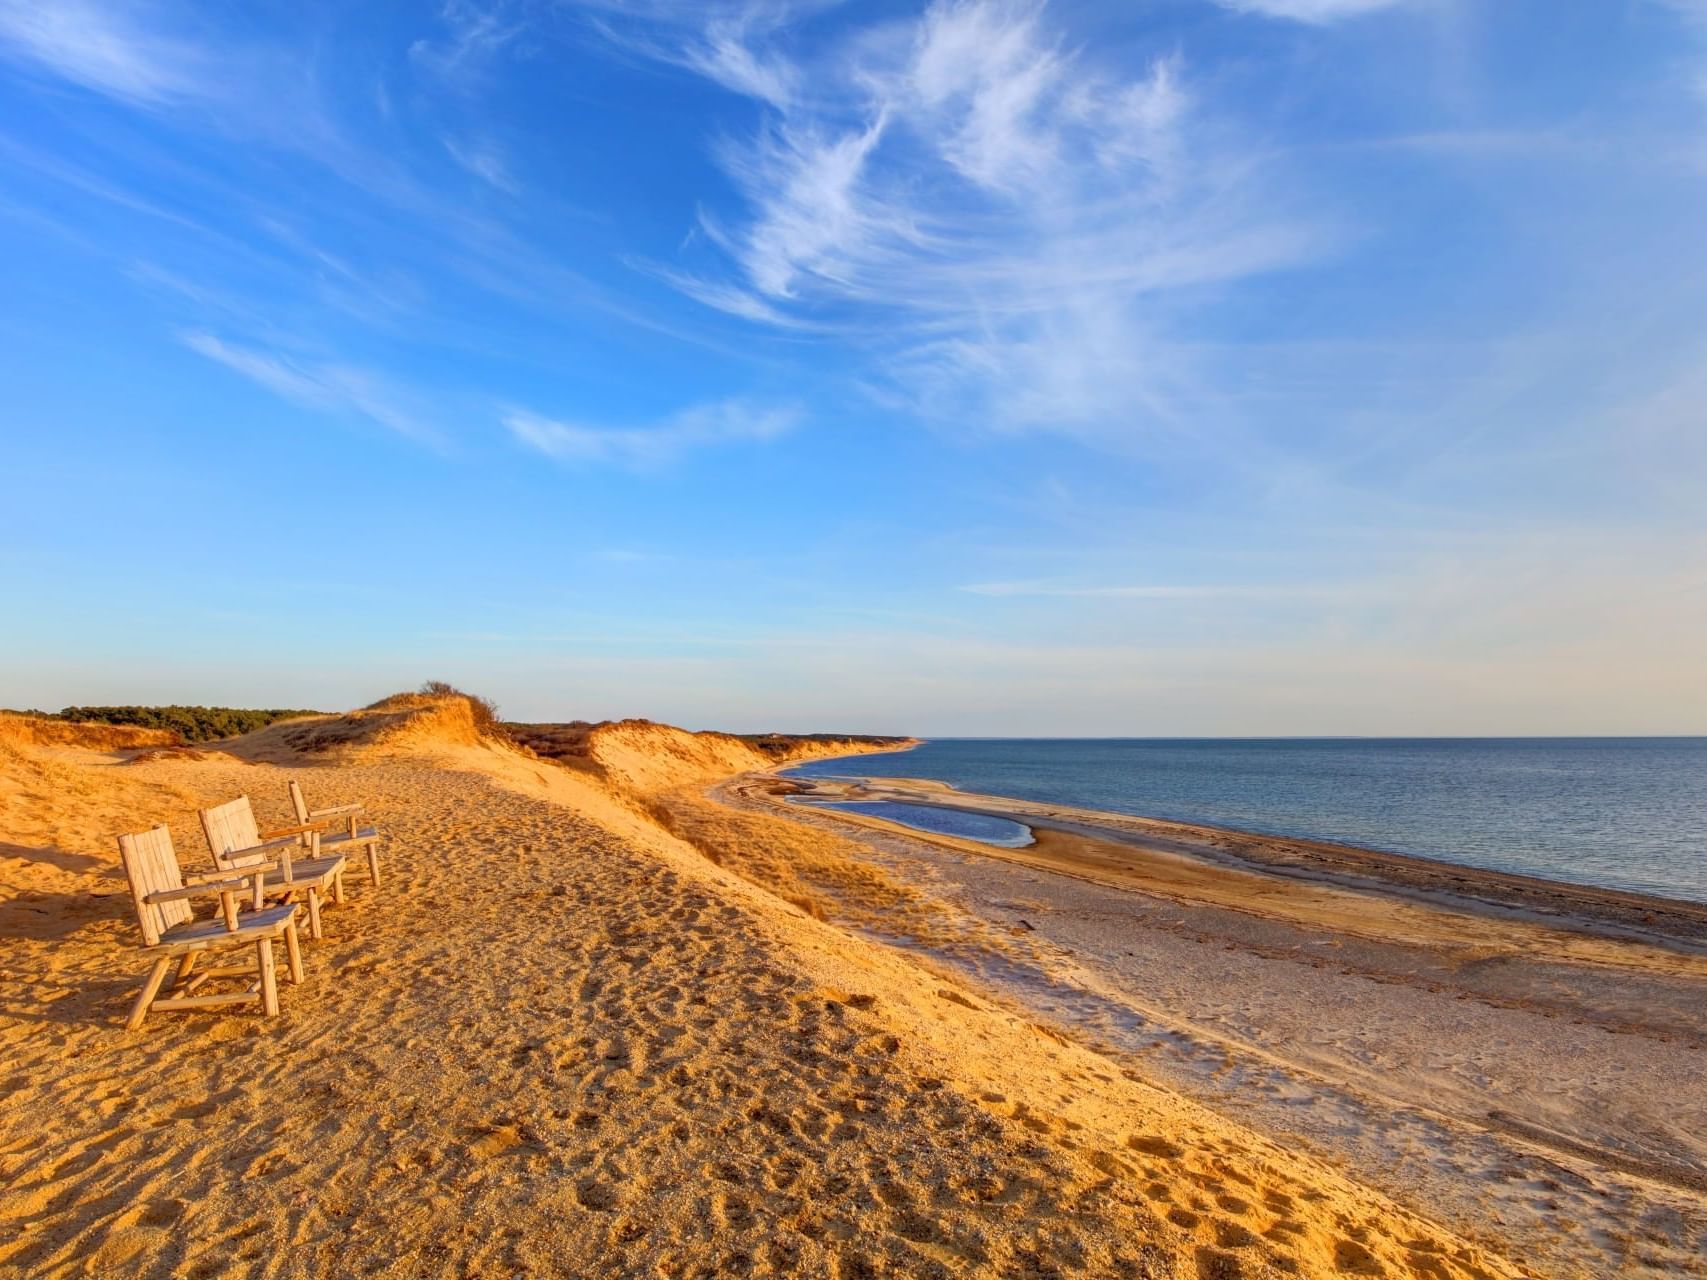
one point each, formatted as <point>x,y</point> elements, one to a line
<point>192,724</point>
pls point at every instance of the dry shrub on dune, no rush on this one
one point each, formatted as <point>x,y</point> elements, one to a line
<point>484,710</point>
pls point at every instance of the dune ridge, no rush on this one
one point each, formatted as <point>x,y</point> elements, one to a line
<point>565,1041</point>
<point>18,730</point>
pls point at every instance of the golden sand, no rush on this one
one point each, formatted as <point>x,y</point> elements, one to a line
<point>561,1041</point>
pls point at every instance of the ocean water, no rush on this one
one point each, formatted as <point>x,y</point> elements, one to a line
<point>1623,813</point>
<point>983,827</point>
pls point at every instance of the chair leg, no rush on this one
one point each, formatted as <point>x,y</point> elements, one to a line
<point>293,951</point>
<point>156,976</point>
<point>338,888</point>
<point>269,980</point>
<point>314,914</point>
<point>373,864</point>
<point>184,967</point>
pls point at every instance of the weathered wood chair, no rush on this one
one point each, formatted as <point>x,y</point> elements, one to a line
<point>355,836</point>
<point>162,895</point>
<point>236,846</point>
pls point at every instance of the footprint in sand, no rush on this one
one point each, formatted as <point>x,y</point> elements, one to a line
<point>1354,1258</point>
<point>1212,1264</point>
<point>1231,1235</point>
<point>485,1142</point>
<point>1155,1146</point>
<point>598,1196</point>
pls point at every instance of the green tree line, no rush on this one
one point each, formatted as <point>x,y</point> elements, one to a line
<point>192,724</point>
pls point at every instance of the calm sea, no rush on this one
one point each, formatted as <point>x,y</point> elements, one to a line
<point>1627,813</point>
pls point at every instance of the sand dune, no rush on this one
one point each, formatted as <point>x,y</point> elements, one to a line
<point>562,1041</point>
<point>33,731</point>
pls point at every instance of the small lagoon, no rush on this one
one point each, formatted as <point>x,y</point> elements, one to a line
<point>982,827</point>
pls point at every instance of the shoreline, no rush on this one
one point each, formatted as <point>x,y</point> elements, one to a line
<point>1611,912</point>
<point>1495,1049</point>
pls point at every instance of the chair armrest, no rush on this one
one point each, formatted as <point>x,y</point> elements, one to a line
<point>209,877</point>
<point>284,849</point>
<point>288,842</point>
<point>336,811</point>
<point>230,884</point>
<point>254,880</point>
<point>300,829</point>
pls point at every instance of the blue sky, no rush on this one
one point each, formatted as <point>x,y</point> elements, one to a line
<point>1187,367</point>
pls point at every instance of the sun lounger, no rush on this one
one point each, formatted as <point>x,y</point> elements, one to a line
<point>354,836</point>
<point>170,931</point>
<point>236,845</point>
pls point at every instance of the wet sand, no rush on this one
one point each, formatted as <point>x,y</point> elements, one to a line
<point>1521,1057</point>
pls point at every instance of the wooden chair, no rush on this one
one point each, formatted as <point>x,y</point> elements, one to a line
<point>162,895</point>
<point>355,836</point>
<point>236,846</point>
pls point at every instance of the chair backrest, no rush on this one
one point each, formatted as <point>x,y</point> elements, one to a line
<point>150,864</point>
<point>228,827</point>
<point>297,801</point>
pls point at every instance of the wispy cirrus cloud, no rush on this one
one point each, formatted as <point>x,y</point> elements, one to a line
<point>327,386</point>
<point>723,422</point>
<point>484,161</point>
<point>725,55</point>
<point>1313,11</point>
<point>1002,222</point>
<point>99,48</point>
<point>726,41</point>
<point>471,35</point>
<point>253,231</point>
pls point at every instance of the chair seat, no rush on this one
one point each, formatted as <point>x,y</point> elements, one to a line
<point>307,873</point>
<point>199,935</point>
<point>363,836</point>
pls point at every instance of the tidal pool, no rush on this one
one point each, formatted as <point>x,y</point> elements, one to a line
<point>982,827</point>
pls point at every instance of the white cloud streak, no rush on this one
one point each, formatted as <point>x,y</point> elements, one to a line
<point>473,34</point>
<point>725,56</point>
<point>724,41</point>
<point>1317,12</point>
<point>93,46</point>
<point>485,162</point>
<point>724,422</point>
<point>324,386</point>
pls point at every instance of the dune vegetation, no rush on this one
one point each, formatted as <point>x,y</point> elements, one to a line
<point>186,724</point>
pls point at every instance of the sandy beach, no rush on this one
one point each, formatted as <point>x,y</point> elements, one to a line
<point>1519,1056</point>
<point>597,1022</point>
